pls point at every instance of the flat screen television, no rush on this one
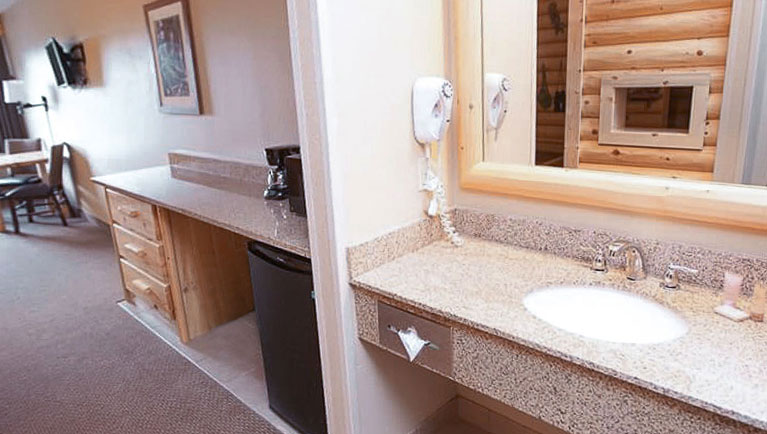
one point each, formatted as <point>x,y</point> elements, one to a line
<point>60,62</point>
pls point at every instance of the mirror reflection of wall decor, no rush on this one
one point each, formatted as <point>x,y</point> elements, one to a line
<point>621,86</point>
<point>170,34</point>
<point>652,107</point>
<point>654,110</point>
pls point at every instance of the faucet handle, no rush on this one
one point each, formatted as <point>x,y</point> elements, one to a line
<point>598,263</point>
<point>671,278</point>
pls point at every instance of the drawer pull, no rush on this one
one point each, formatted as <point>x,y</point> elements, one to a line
<point>136,250</point>
<point>130,212</point>
<point>141,285</point>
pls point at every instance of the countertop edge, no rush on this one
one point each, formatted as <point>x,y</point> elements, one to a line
<point>257,237</point>
<point>613,373</point>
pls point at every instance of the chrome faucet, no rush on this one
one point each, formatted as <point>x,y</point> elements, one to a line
<point>634,258</point>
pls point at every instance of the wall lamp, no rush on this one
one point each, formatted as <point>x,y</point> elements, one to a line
<point>14,92</point>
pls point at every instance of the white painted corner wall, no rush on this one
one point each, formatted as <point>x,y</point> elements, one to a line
<point>370,53</point>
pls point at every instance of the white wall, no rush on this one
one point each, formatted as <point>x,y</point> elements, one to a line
<point>243,56</point>
<point>509,47</point>
<point>372,53</point>
<point>376,51</point>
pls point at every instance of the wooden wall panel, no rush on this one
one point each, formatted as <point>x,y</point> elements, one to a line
<point>599,10</point>
<point>653,36</point>
<point>671,54</point>
<point>675,159</point>
<point>552,56</point>
<point>710,23</point>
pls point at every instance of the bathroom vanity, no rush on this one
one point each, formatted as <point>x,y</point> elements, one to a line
<point>469,302</point>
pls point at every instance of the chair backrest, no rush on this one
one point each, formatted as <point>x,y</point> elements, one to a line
<point>56,166</point>
<point>17,146</point>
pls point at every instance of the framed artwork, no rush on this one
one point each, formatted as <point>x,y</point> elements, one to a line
<point>170,34</point>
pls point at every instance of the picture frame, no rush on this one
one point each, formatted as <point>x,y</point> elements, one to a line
<point>175,65</point>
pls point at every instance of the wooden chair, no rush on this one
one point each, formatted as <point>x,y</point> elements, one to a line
<point>49,193</point>
<point>20,175</point>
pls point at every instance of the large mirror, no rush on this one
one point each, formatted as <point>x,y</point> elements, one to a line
<point>634,87</point>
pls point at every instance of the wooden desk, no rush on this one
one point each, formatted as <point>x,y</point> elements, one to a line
<point>10,161</point>
<point>194,273</point>
<point>181,237</point>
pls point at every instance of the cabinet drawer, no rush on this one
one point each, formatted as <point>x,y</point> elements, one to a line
<point>144,253</point>
<point>142,284</point>
<point>133,214</point>
<point>438,356</point>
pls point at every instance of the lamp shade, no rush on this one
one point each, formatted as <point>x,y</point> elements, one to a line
<point>14,91</point>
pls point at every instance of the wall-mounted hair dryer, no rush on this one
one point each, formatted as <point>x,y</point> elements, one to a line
<point>497,88</point>
<point>432,108</point>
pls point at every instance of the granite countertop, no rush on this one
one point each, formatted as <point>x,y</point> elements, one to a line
<point>719,365</point>
<point>221,201</point>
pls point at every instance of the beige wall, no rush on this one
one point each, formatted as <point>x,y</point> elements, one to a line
<point>377,50</point>
<point>372,54</point>
<point>509,38</point>
<point>243,54</point>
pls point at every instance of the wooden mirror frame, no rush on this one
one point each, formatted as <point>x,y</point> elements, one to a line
<point>722,204</point>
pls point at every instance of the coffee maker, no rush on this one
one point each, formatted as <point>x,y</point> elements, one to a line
<point>276,183</point>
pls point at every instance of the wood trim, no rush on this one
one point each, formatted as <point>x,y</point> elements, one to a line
<point>335,309</point>
<point>469,101</point>
<point>649,171</point>
<point>575,36</point>
<point>163,221</point>
<point>613,111</point>
<point>739,85</point>
<point>737,206</point>
<point>721,204</point>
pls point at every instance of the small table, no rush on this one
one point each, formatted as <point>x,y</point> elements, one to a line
<point>8,161</point>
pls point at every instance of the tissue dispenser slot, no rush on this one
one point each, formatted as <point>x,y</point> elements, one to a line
<point>437,355</point>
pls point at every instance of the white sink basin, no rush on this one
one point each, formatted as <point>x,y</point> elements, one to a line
<point>606,314</point>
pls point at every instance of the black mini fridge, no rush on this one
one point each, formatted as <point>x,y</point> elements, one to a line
<point>287,323</point>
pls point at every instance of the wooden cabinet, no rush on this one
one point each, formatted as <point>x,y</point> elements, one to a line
<point>145,254</point>
<point>133,214</point>
<point>144,285</point>
<point>195,273</point>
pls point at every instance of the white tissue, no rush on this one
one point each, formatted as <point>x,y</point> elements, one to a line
<point>412,342</point>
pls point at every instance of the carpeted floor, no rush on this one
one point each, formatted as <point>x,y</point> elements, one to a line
<point>72,361</point>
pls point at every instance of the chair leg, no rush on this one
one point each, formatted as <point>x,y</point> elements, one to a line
<point>30,210</point>
<point>67,203</point>
<point>59,211</point>
<point>15,217</point>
